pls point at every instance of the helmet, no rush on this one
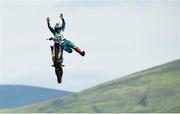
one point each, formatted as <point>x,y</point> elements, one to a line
<point>57,25</point>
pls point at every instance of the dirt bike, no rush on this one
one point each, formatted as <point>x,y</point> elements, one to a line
<point>57,58</point>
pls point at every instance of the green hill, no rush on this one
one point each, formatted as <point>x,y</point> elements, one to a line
<point>152,90</point>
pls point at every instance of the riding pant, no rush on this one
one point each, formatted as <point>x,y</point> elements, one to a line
<point>68,45</point>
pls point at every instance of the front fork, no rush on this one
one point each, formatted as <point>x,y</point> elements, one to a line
<point>59,55</point>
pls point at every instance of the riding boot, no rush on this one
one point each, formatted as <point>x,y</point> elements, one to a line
<point>77,49</point>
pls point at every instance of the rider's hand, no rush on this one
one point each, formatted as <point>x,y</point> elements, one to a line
<point>61,16</point>
<point>48,19</point>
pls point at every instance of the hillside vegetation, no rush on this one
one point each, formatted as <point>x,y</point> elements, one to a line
<point>153,90</point>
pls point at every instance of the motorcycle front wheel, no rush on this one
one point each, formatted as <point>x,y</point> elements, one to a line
<point>59,73</point>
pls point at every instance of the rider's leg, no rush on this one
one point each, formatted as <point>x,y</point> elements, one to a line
<point>67,49</point>
<point>73,46</point>
<point>77,49</point>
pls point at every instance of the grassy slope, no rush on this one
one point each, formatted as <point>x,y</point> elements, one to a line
<point>153,90</point>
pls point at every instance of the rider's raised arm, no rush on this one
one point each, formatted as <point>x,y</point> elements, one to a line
<point>49,26</point>
<point>63,22</point>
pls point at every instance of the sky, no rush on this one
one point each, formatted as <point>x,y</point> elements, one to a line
<point>119,37</point>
